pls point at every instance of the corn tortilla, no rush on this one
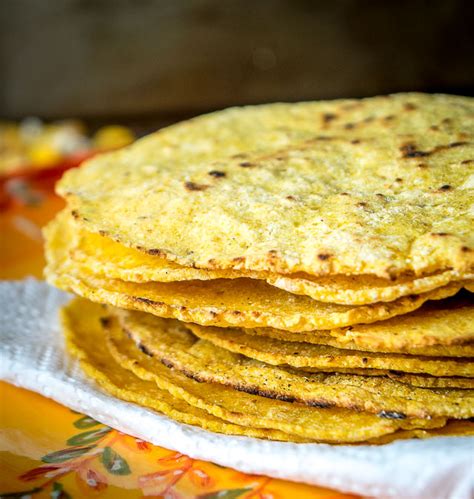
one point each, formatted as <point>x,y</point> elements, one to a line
<point>101,256</point>
<point>453,428</point>
<point>301,355</point>
<point>84,339</point>
<point>379,186</point>
<point>174,345</point>
<point>85,323</point>
<point>420,380</point>
<point>442,328</point>
<point>221,302</point>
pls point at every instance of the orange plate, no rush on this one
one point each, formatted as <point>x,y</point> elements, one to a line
<point>49,451</point>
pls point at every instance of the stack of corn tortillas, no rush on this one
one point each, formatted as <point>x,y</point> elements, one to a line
<point>297,272</point>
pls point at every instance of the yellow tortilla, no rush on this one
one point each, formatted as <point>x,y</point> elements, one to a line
<point>323,338</point>
<point>453,428</point>
<point>221,302</point>
<point>420,380</point>
<point>85,340</point>
<point>186,400</point>
<point>379,186</point>
<point>230,303</point>
<point>442,328</point>
<point>174,345</point>
<point>363,289</point>
<point>302,355</point>
<point>101,256</point>
<point>426,381</point>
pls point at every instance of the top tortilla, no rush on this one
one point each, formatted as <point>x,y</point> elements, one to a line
<point>379,186</point>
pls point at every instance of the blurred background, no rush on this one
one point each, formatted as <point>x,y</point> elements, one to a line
<point>78,77</point>
<point>157,61</point>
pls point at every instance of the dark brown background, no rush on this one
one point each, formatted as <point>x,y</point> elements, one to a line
<point>157,61</point>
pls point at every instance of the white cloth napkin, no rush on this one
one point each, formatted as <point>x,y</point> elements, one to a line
<point>32,356</point>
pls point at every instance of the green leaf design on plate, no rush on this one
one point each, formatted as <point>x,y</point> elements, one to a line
<point>85,422</point>
<point>114,463</point>
<point>226,494</point>
<point>66,454</point>
<point>88,436</point>
<point>58,492</point>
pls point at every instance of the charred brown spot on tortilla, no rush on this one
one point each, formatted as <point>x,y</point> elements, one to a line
<point>147,301</point>
<point>291,198</point>
<point>434,128</point>
<point>321,404</point>
<point>466,249</point>
<point>104,321</point>
<point>422,165</point>
<point>239,156</point>
<point>154,251</point>
<point>247,164</point>
<point>467,161</point>
<point>324,256</point>
<point>238,259</point>
<point>192,186</point>
<point>349,126</point>
<point>391,415</point>
<point>328,117</point>
<point>75,214</point>
<point>362,204</point>
<point>409,106</point>
<point>217,174</point>
<point>409,150</point>
<point>399,180</point>
<point>390,117</point>
<point>319,138</point>
<point>170,365</point>
<point>356,141</point>
<point>144,349</point>
<point>445,187</point>
<point>264,393</point>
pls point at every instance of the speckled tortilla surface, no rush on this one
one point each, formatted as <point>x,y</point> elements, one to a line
<point>221,302</point>
<point>379,186</point>
<point>121,368</point>
<point>101,256</point>
<point>302,355</point>
<point>172,343</point>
